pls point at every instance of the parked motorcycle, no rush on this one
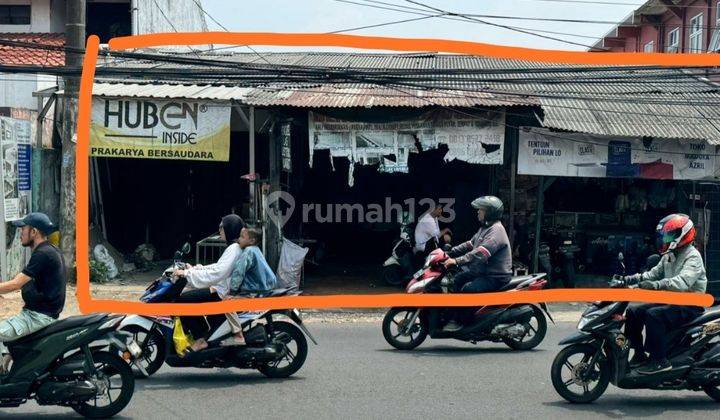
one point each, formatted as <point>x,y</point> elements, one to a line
<point>78,362</point>
<point>276,348</point>
<point>566,269</point>
<point>399,266</point>
<point>519,326</point>
<point>598,354</point>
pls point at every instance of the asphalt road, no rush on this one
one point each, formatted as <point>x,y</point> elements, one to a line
<point>354,374</point>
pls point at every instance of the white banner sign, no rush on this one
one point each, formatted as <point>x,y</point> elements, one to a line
<point>474,139</point>
<point>542,152</point>
<point>16,157</point>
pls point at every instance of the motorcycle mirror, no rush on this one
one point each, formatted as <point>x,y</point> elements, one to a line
<point>185,248</point>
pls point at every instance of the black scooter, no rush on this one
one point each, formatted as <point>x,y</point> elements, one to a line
<point>400,265</point>
<point>598,354</point>
<point>78,362</point>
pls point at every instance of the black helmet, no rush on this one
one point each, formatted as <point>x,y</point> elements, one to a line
<point>493,207</point>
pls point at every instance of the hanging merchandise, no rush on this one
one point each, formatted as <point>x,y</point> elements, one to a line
<point>473,139</point>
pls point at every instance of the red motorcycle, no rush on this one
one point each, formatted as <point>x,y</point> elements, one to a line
<point>519,326</point>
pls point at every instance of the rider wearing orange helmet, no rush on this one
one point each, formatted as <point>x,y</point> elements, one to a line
<point>681,269</point>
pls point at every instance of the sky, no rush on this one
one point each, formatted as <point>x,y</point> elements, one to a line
<point>334,15</point>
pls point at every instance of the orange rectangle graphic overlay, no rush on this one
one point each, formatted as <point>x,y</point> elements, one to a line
<point>88,304</point>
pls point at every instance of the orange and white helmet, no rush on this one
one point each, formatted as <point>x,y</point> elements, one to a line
<point>674,232</point>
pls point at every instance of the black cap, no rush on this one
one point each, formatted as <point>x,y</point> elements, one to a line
<point>39,221</point>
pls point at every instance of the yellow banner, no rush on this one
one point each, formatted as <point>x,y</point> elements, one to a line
<point>167,129</point>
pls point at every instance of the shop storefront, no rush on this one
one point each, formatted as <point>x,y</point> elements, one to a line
<point>600,198</point>
<point>167,165</point>
<point>360,172</point>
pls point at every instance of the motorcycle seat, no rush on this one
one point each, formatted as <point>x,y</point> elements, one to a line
<point>712,313</point>
<point>273,293</point>
<point>61,325</point>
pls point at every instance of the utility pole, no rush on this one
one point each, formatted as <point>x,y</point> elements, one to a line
<point>74,38</point>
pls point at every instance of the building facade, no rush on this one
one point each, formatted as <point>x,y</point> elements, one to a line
<point>27,100</point>
<point>670,26</point>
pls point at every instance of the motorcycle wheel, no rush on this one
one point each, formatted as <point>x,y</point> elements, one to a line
<point>153,350</point>
<point>285,334</point>
<point>713,392</point>
<point>108,367</point>
<point>600,374</point>
<point>398,318</point>
<point>392,275</point>
<point>535,332</point>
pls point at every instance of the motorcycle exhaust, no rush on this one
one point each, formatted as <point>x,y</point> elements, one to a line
<point>63,392</point>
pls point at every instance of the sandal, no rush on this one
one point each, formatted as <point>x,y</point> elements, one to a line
<point>233,341</point>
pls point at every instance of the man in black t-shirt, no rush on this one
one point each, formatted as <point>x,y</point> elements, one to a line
<point>42,283</point>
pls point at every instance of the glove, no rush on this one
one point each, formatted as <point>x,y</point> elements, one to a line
<point>631,280</point>
<point>649,285</point>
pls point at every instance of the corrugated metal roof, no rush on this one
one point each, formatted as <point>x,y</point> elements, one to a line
<point>668,103</point>
<point>134,90</point>
<point>368,96</point>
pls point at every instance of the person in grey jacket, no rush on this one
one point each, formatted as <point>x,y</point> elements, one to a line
<point>486,259</point>
<point>681,269</point>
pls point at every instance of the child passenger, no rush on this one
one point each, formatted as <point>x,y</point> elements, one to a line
<point>251,275</point>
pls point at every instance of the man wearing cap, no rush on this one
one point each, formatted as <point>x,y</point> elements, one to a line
<point>42,283</point>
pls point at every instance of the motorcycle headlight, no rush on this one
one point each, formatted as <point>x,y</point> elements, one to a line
<point>593,313</point>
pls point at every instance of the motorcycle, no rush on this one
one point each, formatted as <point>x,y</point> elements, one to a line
<point>598,354</point>
<point>399,266</point>
<point>519,326</point>
<point>77,362</point>
<point>276,348</point>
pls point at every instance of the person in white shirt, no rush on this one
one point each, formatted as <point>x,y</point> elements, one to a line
<point>211,283</point>
<point>428,229</point>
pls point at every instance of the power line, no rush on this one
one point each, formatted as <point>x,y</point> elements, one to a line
<point>162,12</point>
<point>357,77</point>
<point>530,31</point>
<point>385,24</point>
<point>226,30</point>
<point>485,22</point>
<point>532,19</point>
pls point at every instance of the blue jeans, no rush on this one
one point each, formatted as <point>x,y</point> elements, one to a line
<point>468,282</point>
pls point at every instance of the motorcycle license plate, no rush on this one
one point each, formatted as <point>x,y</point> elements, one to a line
<point>134,348</point>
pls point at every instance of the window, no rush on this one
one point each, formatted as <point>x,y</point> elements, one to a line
<point>14,15</point>
<point>715,39</point>
<point>649,47</point>
<point>696,34</point>
<point>673,39</point>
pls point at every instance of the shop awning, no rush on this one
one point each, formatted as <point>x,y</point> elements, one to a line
<point>161,91</point>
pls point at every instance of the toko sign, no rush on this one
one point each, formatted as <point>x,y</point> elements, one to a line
<point>169,129</point>
<point>542,152</point>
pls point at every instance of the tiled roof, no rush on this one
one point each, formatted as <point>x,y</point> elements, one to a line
<point>23,56</point>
